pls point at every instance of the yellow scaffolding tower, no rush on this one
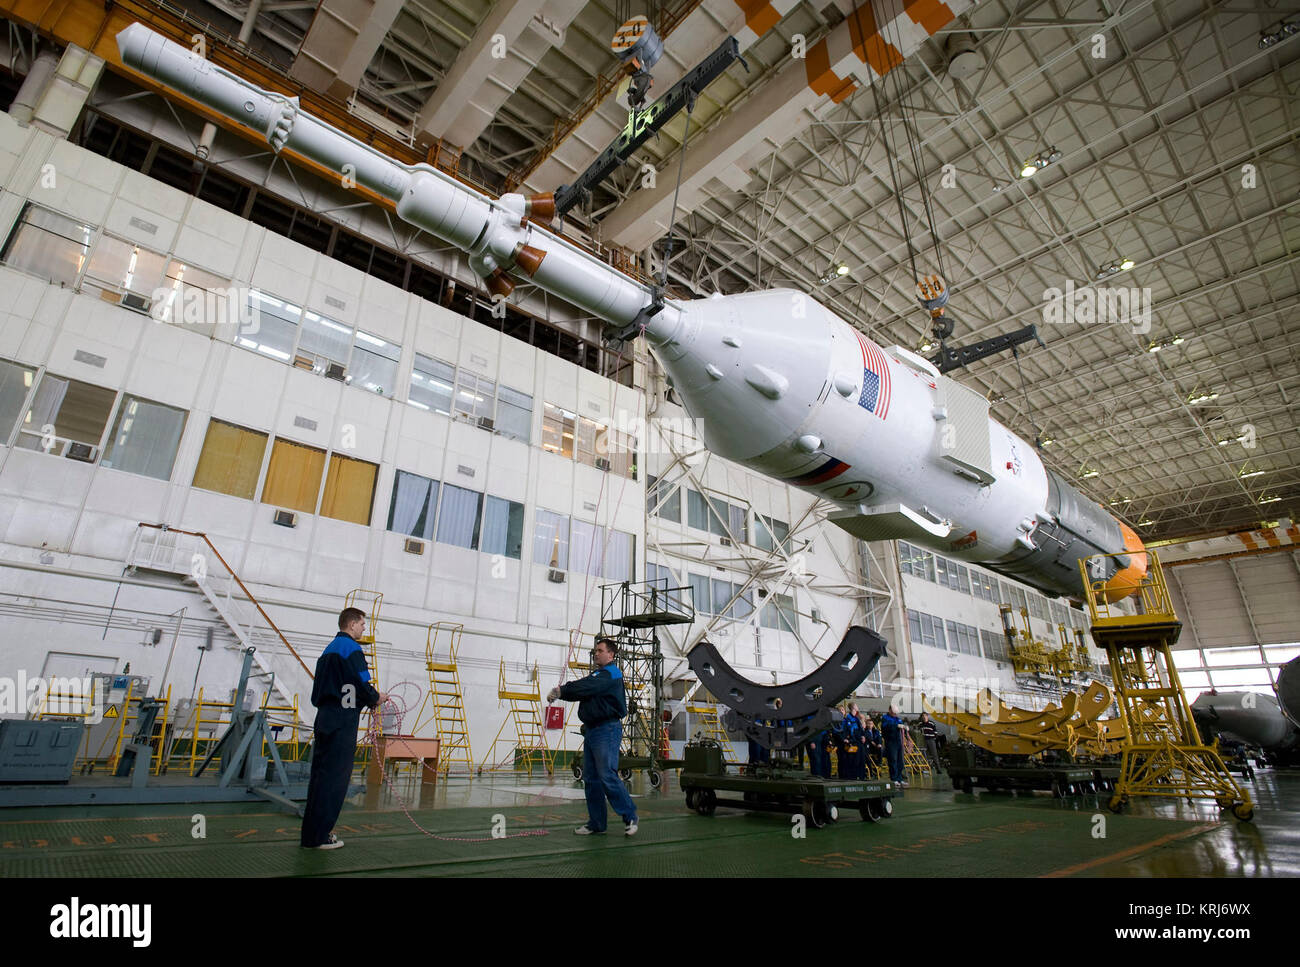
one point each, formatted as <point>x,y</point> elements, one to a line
<point>1164,754</point>
<point>530,734</point>
<point>444,702</point>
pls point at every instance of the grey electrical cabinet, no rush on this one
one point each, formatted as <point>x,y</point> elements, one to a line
<point>38,751</point>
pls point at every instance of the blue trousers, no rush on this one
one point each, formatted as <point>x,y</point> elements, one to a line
<point>600,775</point>
<point>894,753</point>
<point>333,750</point>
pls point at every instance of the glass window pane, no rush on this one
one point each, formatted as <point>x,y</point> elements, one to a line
<point>1194,681</point>
<point>701,596</point>
<point>588,548</point>
<point>551,540</point>
<point>620,556</point>
<point>514,414</point>
<point>1218,657</point>
<point>670,505</point>
<point>476,396</point>
<point>75,411</point>
<point>557,430</point>
<point>721,596</point>
<point>412,508</point>
<point>198,300</point>
<point>459,515</point>
<point>374,364</point>
<point>323,341</point>
<point>1185,658</point>
<point>349,490</point>
<point>293,477</point>
<point>503,528</point>
<point>588,432</point>
<point>49,245</point>
<point>145,438</point>
<point>431,384</point>
<point>1282,653</point>
<point>1239,677</point>
<point>789,617</point>
<point>272,326</point>
<point>15,383</point>
<point>697,510</point>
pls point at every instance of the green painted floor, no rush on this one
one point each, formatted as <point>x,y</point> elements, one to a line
<point>935,832</point>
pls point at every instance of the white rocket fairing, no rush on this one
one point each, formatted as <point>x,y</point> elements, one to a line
<point>777,381</point>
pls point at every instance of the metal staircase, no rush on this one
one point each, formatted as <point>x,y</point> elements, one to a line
<point>192,557</point>
<point>444,702</point>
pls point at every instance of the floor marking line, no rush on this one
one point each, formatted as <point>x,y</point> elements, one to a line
<point>1131,851</point>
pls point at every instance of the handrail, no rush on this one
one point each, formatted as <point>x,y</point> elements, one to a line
<point>242,587</point>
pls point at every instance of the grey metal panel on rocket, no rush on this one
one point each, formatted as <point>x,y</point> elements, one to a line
<point>855,658</point>
<point>1288,690</point>
<point>1078,528</point>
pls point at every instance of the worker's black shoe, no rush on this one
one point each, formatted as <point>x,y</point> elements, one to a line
<point>332,843</point>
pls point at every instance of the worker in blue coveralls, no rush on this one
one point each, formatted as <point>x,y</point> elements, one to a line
<point>846,731</point>
<point>602,706</point>
<point>892,727</point>
<point>339,691</point>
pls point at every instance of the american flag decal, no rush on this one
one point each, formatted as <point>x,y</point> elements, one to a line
<point>876,387</point>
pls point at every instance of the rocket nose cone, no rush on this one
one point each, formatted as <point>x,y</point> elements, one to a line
<point>131,44</point>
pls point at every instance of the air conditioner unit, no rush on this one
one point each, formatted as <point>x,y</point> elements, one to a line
<point>602,463</point>
<point>336,371</point>
<point>726,541</point>
<point>285,518</point>
<point>136,302</point>
<point>412,546</point>
<point>84,452</point>
<point>485,423</point>
<point>555,576</point>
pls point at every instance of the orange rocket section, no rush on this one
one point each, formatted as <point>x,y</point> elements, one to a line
<point>1128,580</point>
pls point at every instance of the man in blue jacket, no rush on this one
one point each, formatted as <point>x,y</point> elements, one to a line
<point>602,706</point>
<point>339,692</point>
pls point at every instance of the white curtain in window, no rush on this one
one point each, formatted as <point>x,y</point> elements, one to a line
<point>618,556</point>
<point>551,540</point>
<point>411,496</point>
<point>458,516</point>
<point>503,523</point>
<point>588,548</point>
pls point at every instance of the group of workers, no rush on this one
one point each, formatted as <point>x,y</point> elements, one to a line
<point>860,744</point>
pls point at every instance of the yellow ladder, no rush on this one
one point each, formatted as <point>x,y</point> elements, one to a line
<point>444,702</point>
<point>130,713</point>
<point>530,734</point>
<point>711,726</point>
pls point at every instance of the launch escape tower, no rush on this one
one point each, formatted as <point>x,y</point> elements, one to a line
<point>634,613</point>
<point>1164,755</point>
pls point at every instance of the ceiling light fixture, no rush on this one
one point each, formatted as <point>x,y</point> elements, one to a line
<point>1269,500</point>
<point>1284,29</point>
<point>1254,473</point>
<point>1114,267</point>
<point>1088,474</point>
<point>1039,161</point>
<point>1199,398</point>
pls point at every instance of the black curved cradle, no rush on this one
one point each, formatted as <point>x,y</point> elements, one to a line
<point>783,716</point>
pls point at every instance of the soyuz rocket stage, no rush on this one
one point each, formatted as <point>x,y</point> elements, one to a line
<point>775,381</point>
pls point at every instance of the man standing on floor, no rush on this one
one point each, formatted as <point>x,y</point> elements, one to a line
<point>341,689</point>
<point>891,726</point>
<point>602,706</point>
